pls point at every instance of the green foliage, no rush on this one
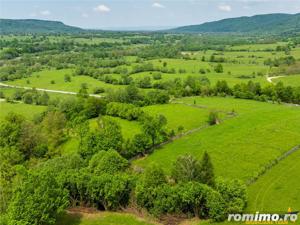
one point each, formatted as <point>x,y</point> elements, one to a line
<point>53,125</point>
<point>186,168</point>
<point>110,191</point>
<point>154,127</point>
<point>219,68</point>
<point>213,118</point>
<point>108,137</point>
<point>36,27</point>
<point>269,23</point>
<point>207,170</point>
<point>123,110</point>
<point>234,193</point>
<point>37,200</point>
<point>107,162</point>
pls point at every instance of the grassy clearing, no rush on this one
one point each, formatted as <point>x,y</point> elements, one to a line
<point>291,80</point>
<point>129,128</point>
<point>44,78</point>
<point>28,111</point>
<point>180,115</point>
<point>9,92</point>
<point>279,188</point>
<point>258,134</point>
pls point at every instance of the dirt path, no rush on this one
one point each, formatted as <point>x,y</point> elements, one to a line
<point>46,90</point>
<point>269,79</point>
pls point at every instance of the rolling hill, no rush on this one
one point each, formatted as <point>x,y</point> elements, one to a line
<point>268,23</point>
<point>33,26</point>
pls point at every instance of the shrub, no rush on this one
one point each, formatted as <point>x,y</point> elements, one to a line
<point>213,118</point>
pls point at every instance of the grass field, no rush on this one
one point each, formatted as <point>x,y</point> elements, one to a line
<point>177,115</point>
<point>28,111</point>
<point>43,80</point>
<point>291,80</point>
<point>258,134</point>
<point>279,188</point>
<point>129,128</point>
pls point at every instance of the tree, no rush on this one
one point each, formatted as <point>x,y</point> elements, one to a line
<point>83,91</point>
<point>207,171</point>
<point>110,191</point>
<point>27,98</point>
<point>10,130</point>
<point>152,178</point>
<point>234,192</point>
<point>186,168</point>
<point>43,99</point>
<point>154,127</point>
<point>219,68</point>
<point>140,143</point>
<point>37,200</point>
<point>53,125</point>
<point>107,162</point>
<point>67,78</point>
<point>109,136</point>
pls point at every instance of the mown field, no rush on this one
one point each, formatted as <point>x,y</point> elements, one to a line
<point>259,133</point>
<point>28,111</point>
<point>291,80</point>
<point>54,80</point>
<point>279,188</point>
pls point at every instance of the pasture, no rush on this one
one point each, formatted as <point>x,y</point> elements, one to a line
<point>259,133</point>
<point>54,80</point>
<point>28,111</point>
<point>279,188</point>
<point>291,80</point>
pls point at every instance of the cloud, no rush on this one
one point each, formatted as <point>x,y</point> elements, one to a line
<point>225,8</point>
<point>32,14</point>
<point>102,9</point>
<point>157,5</point>
<point>84,15</point>
<point>45,13</point>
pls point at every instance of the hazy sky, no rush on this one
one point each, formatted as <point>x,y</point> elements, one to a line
<point>140,13</point>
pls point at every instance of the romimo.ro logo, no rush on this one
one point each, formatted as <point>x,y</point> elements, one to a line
<point>264,218</point>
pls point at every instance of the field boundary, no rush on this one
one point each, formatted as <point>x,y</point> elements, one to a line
<point>273,163</point>
<point>178,136</point>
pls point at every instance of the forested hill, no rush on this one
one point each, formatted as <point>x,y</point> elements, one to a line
<point>21,26</point>
<point>269,23</point>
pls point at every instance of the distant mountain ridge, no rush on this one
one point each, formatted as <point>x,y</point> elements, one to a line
<point>269,23</point>
<point>34,26</point>
<point>277,23</point>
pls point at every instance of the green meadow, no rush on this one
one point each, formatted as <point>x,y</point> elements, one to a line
<point>54,80</point>
<point>279,188</point>
<point>240,147</point>
<point>28,111</point>
<point>291,80</point>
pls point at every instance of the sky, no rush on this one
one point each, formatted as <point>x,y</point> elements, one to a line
<point>126,14</point>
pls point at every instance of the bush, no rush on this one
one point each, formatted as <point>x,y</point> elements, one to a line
<point>107,162</point>
<point>37,200</point>
<point>234,192</point>
<point>219,68</point>
<point>156,76</point>
<point>213,118</point>
<point>123,110</point>
<point>110,192</point>
<point>98,90</point>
